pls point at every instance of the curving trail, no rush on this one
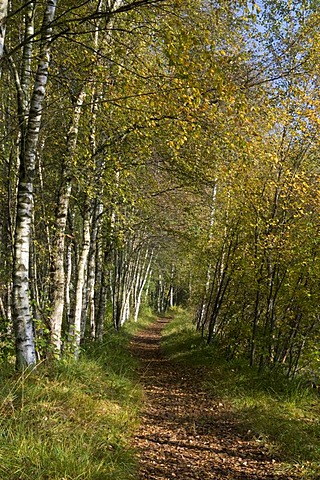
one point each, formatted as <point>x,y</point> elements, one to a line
<point>184,434</point>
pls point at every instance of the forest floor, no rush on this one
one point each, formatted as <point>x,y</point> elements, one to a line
<point>185,434</point>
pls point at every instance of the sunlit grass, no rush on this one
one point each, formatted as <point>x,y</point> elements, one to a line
<point>72,420</point>
<point>280,414</point>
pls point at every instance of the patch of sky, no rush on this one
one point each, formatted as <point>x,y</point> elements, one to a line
<point>273,35</point>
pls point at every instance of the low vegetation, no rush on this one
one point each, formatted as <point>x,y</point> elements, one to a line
<point>281,415</point>
<point>72,420</point>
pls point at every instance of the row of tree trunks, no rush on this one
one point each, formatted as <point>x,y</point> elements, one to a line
<point>132,267</point>
<point>58,255</point>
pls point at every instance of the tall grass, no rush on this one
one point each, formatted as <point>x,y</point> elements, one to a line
<point>72,420</point>
<point>282,415</point>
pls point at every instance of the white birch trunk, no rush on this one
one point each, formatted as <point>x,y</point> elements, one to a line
<point>141,287</point>
<point>92,267</point>
<point>81,280</point>
<point>171,289</point>
<point>3,16</point>
<point>125,307</point>
<point>2,309</point>
<point>26,62</point>
<point>97,205</point>
<point>146,296</point>
<point>58,271</point>
<point>9,301</point>
<point>25,349</point>
<point>160,294</point>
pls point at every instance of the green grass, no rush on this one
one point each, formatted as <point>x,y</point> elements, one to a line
<point>72,420</point>
<point>280,414</point>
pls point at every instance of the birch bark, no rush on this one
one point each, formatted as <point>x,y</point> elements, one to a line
<point>23,325</point>
<point>81,279</point>
<point>3,16</point>
<point>58,270</point>
<point>92,265</point>
<point>142,282</point>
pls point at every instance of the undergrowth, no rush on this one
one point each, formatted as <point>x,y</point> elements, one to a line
<point>282,415</point>
<point>72,420</point>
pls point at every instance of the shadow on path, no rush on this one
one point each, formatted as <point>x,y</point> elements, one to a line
<point>184,434</point>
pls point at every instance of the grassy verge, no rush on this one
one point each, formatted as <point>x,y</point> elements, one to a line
<point>281,415</point>
<point>72,420</point>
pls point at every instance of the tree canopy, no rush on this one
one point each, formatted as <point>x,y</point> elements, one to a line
<point>157,153</point>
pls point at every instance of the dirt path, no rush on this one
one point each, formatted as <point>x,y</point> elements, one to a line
<point>185,435</point>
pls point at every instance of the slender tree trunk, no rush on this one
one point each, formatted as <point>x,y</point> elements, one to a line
<point>25,349</point>
<point>144,277</point>
<point>3,314</point>
<point>81,279</point>
<point>68,280</point>
<point>203,308</point>
<point>160,295</point>
<point>3,16</point>
<point>254,327</point>
<point>58,271</point>
<point>101,298</point>
<point>224,277</point>
<point>26,64</point>
<point>92,267</point>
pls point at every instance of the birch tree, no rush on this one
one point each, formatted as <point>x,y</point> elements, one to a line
<point>137,108</point>
<point>25,200</point>
<point>3,16</point>
<point>58,259</point>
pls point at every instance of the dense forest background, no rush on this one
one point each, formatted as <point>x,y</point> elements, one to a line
<point>154,154</point>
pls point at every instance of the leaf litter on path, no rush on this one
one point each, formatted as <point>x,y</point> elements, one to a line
<point>184,434</point>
